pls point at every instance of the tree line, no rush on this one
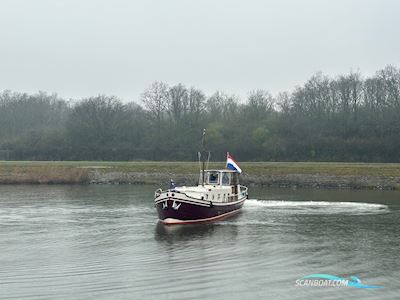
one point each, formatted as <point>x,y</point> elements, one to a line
<point>344,118</point>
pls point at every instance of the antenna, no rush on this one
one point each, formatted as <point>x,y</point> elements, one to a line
<point>199,158</point>
<point>203,154</point>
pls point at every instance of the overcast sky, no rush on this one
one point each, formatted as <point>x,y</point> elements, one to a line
<point>79,48</point>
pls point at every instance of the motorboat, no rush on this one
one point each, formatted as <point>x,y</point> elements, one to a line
<point>218,195</point>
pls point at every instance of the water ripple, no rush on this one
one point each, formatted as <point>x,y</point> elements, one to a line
<point>80,242</point>
<point>318,207</point>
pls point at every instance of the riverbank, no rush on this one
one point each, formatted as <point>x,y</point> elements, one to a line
<point>277,174</point>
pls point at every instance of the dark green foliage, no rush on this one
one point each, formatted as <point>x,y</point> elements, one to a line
<point>346,118</point>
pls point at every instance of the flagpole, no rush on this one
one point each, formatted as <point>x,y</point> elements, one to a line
<point>203,161</point>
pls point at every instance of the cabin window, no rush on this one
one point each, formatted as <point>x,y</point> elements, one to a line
<point>213,178</point>
<point>235,178</point>
<point>226,179</point>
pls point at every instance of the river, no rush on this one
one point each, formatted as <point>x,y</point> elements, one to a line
<point>103,241</point>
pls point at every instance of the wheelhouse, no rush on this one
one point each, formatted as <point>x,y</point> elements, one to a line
<point>220,177</point>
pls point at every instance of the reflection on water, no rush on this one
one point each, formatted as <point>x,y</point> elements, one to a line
<point>105,242</point>
<point>179,233</point>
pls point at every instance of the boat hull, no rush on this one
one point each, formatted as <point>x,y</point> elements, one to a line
<point>176,211</point>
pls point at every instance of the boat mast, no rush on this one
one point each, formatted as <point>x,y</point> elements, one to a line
<point>203,158</point>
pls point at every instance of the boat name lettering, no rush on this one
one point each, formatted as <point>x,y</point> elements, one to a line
<point>176,206</point>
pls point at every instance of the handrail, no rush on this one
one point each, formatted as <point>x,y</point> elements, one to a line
<point>158,192</point>
<point>242,192</point>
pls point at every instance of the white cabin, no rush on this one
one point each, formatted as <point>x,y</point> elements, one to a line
<point>221,178</point>
<point>219,186</point>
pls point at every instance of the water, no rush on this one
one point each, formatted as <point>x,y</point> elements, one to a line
<point>100,242</point>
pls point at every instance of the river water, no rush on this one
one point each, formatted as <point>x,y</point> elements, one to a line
<point>101,242</point>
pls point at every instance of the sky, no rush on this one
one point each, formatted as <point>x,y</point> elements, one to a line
<point>82,48</point>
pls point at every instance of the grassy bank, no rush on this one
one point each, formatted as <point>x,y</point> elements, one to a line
<point>307,174</point>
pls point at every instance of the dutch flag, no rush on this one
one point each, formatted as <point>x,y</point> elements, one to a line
<point>232,164</point>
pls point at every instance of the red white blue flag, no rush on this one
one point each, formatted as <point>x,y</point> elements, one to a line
<point>232,164</point>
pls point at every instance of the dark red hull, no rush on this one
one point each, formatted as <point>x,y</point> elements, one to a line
<point>173,211</point>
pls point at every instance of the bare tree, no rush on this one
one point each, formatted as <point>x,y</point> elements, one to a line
<point>349,88</point>
<point>196,100</point>
<point>155,99</point>
<point>390,76</point>
<point>221,105</point>
<point>97,120</point>
<point>260,102</point>
<point>178,102</point>
<point>284,103</point>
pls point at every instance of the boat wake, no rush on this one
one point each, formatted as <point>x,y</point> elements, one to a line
<point>317,207</point>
